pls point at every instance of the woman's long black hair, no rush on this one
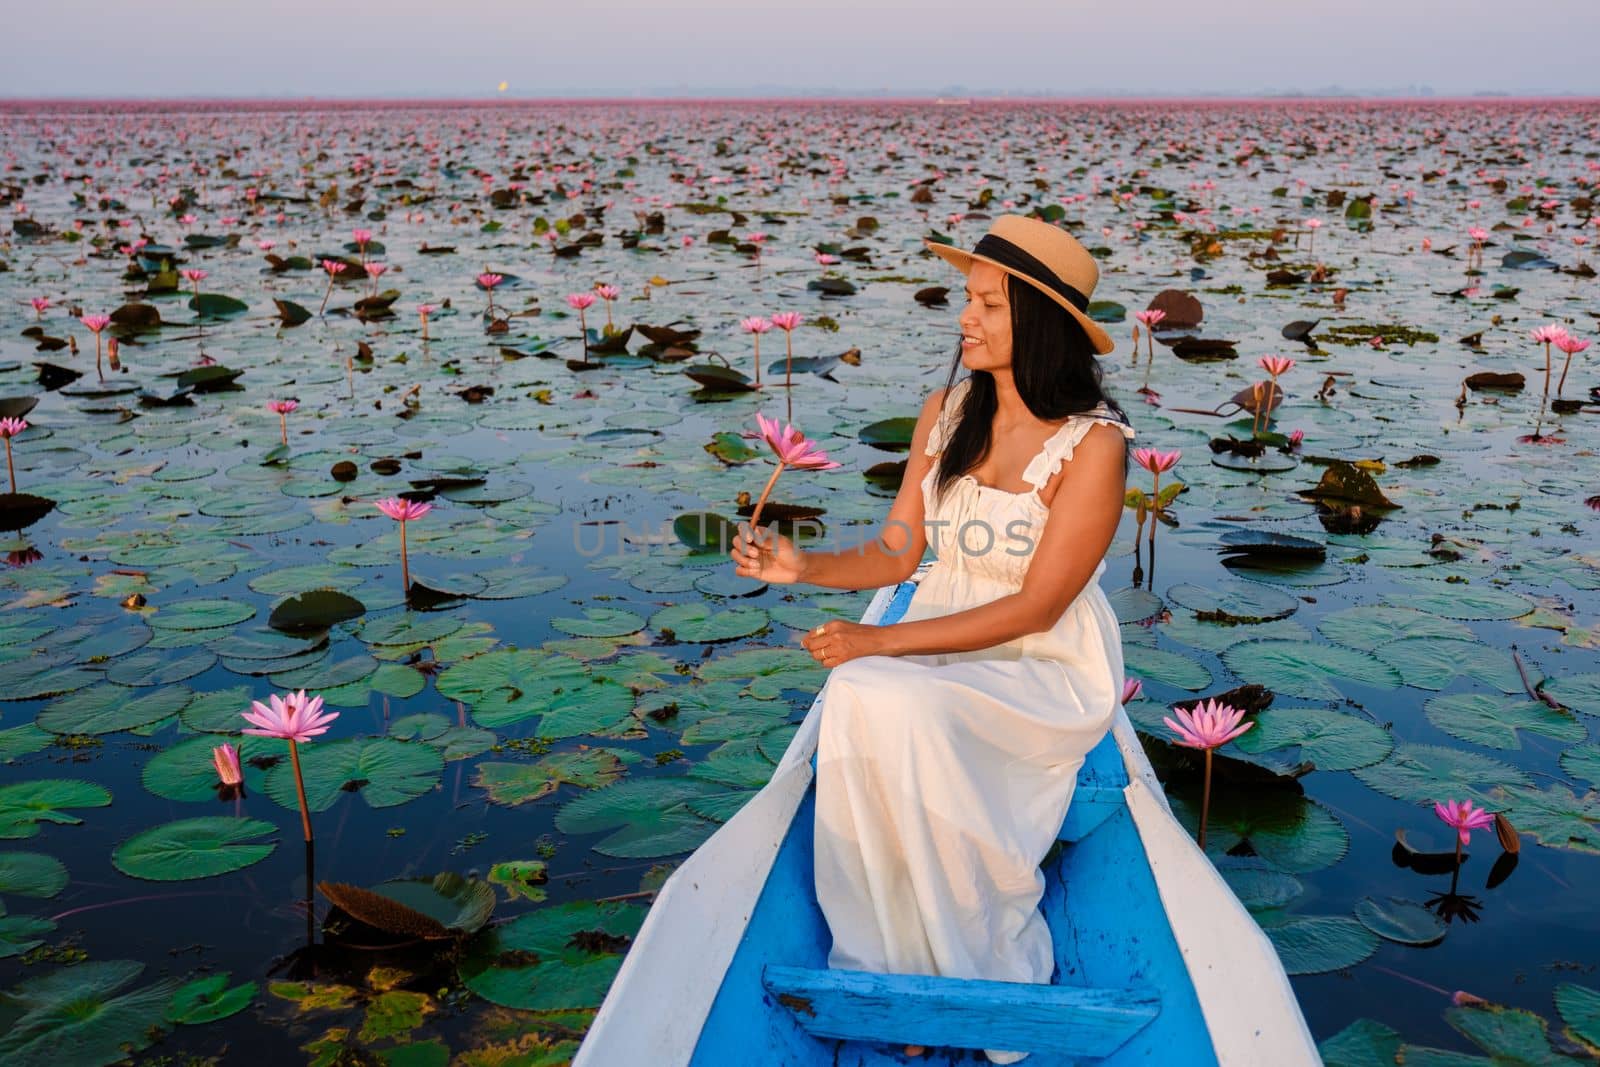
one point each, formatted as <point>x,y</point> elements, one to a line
<point>1055,370</point>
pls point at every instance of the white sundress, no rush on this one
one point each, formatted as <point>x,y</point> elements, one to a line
<point>942,780</point>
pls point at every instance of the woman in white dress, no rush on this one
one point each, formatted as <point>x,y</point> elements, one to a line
<point>950,741</point>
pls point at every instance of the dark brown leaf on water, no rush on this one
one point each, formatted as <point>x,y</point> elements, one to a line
<point>1510,840</point>
<point>932,296</point>
<point>1184,311</point>
<point>1344,481</point>
<point>1509,382</point>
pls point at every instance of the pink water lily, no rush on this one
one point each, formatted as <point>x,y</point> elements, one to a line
<point>282,408</point>
<point>1275,365</point>
<point>1150,317</point>
<point>1295,437</point>
<point>787,321</point>
<point>362,237</point>
<point>1156,462</point>
<point>608,293</point>
<point>756,325</point>
<point>423,311</point>
<point>96,324</point>
<point>1313,225</point>
<point>195,276</point>
<point>1463,817</point>
<point>489,279</point>
<point>225,758</point>
<point>334,269</point>
<point>296,719</point>
<point>791,448</point>
<point>1552,334</point>
<point>1571,346</point>
<point>403,511</point>
<point>9,428</point>
<point>1131,688</point>
<point>1209,724</point>
<point>39,304</point>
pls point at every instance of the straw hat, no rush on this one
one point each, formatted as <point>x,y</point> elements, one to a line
<point>1042,254</point>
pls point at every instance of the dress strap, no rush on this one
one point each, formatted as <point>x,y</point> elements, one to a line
<point>1058,449</point>
<point>949,416</point>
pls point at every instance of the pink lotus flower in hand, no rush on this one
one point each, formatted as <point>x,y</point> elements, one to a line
<point>1210,724</point>
<point>1465,818</point>
<point>226,759</point>
<point>1155,461</point>
<point>292,718</point>
<point>791,446</point>
<point>1275,365</point>
<point>96,323</point>
<point>403,510</point>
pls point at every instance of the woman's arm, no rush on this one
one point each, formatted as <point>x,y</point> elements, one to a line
<point>892,556</point>
<point>1084,513</point>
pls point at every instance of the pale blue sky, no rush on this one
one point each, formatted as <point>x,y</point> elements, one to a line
<point>356,48</point>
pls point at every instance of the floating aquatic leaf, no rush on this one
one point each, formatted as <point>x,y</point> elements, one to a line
<point>194,848</point>
<point>384,771</point>
<point>1401,921</point>
<point>1322,943</point>
<point>31,874</point>
<point>1494,720</point>
<point>1332,740</point>
<point>446,905</point>
<point>24,805</point>
<point>81,1015</point>
<point>699,622</point>
<point>559,957</point>
<point>1421,774</point>
<point>647,816</point>
<point>519,783</point>
<point>205,1000</point>
<point>1290,668</point>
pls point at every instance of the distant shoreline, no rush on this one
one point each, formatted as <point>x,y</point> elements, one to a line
<point>63,105</point>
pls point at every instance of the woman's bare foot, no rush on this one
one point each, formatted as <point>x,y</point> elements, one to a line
<point>915,1050</point>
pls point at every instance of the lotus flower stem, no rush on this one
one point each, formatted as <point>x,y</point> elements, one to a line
<point>761,501</point>
<point>300,790</point>
<point>405,564</point>
<point>9,428</point>
<point>1205,794</point>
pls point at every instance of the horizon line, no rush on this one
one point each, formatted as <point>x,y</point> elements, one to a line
<point>1477,96</point>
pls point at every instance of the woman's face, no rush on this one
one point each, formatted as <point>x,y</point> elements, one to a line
<point>986,320</point>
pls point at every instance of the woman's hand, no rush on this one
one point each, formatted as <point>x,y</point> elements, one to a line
<point>838,641</point>
<point>769,557</point>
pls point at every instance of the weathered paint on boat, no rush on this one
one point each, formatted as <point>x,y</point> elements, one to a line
<point>730,964</point>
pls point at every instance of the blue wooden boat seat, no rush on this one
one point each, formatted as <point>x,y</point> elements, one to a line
<point>930,1010</point>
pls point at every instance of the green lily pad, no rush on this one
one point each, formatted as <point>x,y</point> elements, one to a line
<point>520,783</point>
<point>561,957</point>
<point>31,874</point>
<point>1288,667</point>
<point>1401,921</point>
<point>79,1015</point>
<point>1423,774</point>
<point>201,615</point>
<point>107,709</point>
<point>1333,740</point>
<point>1322,943</point>
<point>24,805</point>
<point>1580,692</point>
<point>600,622</point>
<point>1370,627</point>
<point>699,622</point>
<point>647,817</point>
<point>1494,720</point>
<point>194,848</point>
<point>770,671</point>
<point>205,1000</point>
<point>384,771</point>
<point>1580,1010</point>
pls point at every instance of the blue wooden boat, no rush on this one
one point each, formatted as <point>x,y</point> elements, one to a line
<point>1157,961</point>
